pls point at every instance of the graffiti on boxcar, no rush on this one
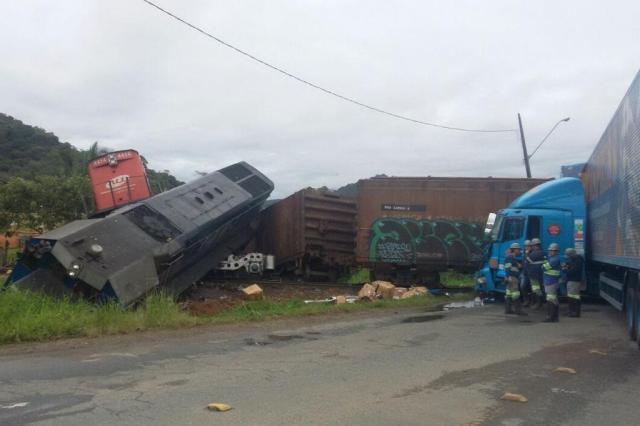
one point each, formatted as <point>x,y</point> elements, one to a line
<point>410,241</point>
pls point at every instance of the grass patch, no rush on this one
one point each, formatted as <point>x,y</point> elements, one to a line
<point>457,279</point>
<point>27,316</point>
<point>357,275</point>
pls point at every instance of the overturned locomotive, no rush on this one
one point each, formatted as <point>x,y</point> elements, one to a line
<point>169,240</point>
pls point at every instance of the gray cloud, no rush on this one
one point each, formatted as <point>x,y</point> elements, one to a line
<point>123,74</point>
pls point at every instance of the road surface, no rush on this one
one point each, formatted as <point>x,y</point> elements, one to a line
<point>375,368</point>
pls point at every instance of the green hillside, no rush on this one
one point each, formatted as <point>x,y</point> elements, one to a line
<point>43,181</point>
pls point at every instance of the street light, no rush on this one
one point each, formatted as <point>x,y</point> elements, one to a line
<point>526,156</point>
<point>545,138</point>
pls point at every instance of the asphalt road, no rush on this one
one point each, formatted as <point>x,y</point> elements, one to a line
<point>377,368</point>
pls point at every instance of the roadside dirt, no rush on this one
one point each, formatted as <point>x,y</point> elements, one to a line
<point>212,298</point>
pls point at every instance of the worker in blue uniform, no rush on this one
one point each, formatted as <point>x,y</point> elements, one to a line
<point>573,269</point>
<point>552,269</point>
<point>513,269</point>
<point>535,259</point>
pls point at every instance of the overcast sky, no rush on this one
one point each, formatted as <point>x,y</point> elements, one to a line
<point>121,73</point>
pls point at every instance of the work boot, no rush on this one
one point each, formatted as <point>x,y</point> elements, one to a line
<point>556,312</point>
<point>527,301</point>
<point>540,302</point>
<point>508,306</point>
<point>552,313</point>
<point>570,307</point>
<point>574,308</point>
<point>518,308</point>
<point>533,299</point>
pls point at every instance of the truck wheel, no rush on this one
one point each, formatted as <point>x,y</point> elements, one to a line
<point>631,312</point>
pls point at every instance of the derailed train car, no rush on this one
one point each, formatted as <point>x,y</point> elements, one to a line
<point>311,233</point>
<point>169,240</point>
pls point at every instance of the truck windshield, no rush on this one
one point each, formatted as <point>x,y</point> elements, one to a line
<point>495,227</point>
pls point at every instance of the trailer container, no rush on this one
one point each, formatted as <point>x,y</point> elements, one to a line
<point>598,215</point>
<point>311,233</point>
<point>418,226</point>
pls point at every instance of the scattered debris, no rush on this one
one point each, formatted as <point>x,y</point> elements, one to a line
<point>367,292</point>
<point>384,289</point>
<point>341,300</point>
<point>218,406</point>
<point>253,292</point>
<point>468,304</point>
<point>327,300</point>
<point>16,405</point>
<point>508,396</point>
<point>415,291</point>
<point>560,390</point>
<point>598,352</point>
<point>398,292</point>
<point>565,370</point>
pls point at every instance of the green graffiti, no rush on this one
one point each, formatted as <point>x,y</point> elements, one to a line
<point>410,241</point>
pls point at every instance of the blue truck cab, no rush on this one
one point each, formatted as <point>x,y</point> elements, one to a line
<point>554,212</point>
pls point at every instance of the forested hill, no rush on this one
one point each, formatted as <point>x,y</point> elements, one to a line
<point>30,152</point>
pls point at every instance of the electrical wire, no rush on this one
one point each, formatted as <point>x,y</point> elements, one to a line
<point>315,86</point>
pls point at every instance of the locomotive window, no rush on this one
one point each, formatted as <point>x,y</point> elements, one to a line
<point>218,190</point>
<point>208,195</point>
<point>255,186</point>
<point>199,200</point>
<point>235,172</point>
<point>512,229</point>
<point>152,223</point>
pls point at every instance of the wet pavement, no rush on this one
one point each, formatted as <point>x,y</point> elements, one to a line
<point>410,367</point>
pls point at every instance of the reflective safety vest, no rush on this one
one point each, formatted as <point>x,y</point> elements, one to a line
<point>512,266</point>
<point>551,269</point>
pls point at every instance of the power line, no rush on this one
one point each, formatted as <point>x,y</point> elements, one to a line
<point>315,86</point>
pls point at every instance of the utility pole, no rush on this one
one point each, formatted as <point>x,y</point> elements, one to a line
<point>524,148</point>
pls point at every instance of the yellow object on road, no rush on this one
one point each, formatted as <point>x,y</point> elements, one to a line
<point>514,397</point>
<point>566,370</point>
<point>218,406</point>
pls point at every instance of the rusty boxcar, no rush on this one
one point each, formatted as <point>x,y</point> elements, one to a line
<point>415,227</point>
<point>311,233</point>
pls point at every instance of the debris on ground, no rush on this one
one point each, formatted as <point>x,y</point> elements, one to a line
<point>398,292</point>
<point>597,352</point>
<point>327,300</point>
<point>253,292</point>
<point>565,370</point>
<point>415,291</point>
<point>337,300</point>
<point>384,289</point>
<point>218,406</point>
<point>367,292</point>
<point>207,307</point>
<point>508,396</point>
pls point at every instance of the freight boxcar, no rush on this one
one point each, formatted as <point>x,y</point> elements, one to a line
<point>414,227</point>
<point>311,233</point>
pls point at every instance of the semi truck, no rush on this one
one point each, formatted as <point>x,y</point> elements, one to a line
<point>597,213</point>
